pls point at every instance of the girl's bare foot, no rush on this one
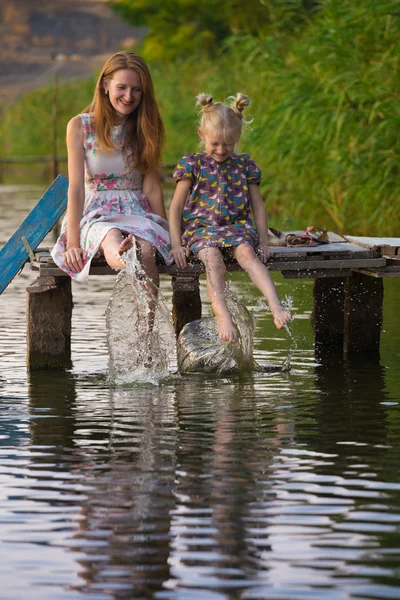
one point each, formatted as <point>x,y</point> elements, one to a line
<point>226,329</point>
<point>281,315</point>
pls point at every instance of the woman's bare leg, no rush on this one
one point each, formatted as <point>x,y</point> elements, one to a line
<point>261,278</point>
<point>215,272</point>
<point>147,254</point>
<point>114,244</point>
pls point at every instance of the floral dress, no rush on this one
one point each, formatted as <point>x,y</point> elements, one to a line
<point>217,211</point>
<point>113,199</point>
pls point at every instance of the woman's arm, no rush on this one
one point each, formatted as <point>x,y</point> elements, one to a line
<point>74,256</point>
<point>261,221</point>
<point>175,222</point>
<point>153,191</point>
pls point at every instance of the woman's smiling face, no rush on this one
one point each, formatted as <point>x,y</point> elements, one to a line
<point>124,91</point>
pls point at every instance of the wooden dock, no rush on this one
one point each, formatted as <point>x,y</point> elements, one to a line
<point>347,296</point>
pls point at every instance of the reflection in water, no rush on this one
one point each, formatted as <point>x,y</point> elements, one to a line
<point>342,414</point>
<point>250,487</point>
<point>120,451</point>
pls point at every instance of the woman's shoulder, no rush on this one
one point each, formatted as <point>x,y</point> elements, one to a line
<point>75,125</point>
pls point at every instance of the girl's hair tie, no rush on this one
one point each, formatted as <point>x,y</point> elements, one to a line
<point>205,101</point>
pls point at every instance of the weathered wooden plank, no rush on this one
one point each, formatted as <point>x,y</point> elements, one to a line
<point>301,269</point>
<point>386,245</point>
<point>316,274</point>
<point>34,228</point>
<point>388,271</point>
<point>310,265</point>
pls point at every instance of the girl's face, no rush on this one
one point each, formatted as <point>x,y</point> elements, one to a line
<point>124,91</point>
<point>217,145</point>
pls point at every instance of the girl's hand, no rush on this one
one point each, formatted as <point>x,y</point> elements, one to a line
<point>264,251</point>
<point>179,254</point>
<point>74,259</point>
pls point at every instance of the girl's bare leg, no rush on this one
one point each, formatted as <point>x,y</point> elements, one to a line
<point>215,271</point>
<point>261,278</point>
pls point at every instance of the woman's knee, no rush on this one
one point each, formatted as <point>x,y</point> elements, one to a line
<point>112,238</point>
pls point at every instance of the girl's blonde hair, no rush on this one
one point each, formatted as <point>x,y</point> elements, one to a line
<point>219,117</point>
<point>145,135</point>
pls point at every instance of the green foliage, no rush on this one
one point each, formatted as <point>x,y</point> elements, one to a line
<point>27,128</point>
<point>326,115</point>
<point>178,28</point>
<point>325,102</point>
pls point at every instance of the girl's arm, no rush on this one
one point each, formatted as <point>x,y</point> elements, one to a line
<point>154,194</point>
<point>261,221</point>
<point>74,256</point>
<point>175,222</point>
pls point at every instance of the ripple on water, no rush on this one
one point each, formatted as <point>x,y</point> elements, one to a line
<point>269,485</point>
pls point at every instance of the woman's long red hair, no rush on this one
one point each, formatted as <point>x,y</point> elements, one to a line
<point>145,137</point>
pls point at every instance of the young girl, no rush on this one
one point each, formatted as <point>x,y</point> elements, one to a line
<point>217,205</point>
<point>114,192</point>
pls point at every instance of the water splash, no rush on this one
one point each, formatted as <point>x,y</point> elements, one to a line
<point>201,350</point>
<point>140,333</point>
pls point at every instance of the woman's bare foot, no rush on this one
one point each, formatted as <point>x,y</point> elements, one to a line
<point>226,329</point>
<point>125,245</point>
<point>281,316</point>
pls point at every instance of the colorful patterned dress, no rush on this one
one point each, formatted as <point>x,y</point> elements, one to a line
<point>113,199</point>
<point>217,211</point>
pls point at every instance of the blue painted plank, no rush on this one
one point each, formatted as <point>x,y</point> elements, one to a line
<point>34,228</point>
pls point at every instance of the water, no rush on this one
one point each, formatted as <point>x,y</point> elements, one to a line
<point>281,485</point>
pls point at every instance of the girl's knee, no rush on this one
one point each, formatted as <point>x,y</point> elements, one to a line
<point>245,255</point>
<point>214,263</point>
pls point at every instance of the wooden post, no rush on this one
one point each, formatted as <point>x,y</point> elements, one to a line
<point>327,317</point>
<point>54,170</point>
<point>363,315</point>
<point>186,301</point>
<point>49,312</point>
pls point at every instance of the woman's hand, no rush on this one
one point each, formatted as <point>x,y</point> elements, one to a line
<point>179,254</point>
<point>75,259</point>
<point>264,251</point>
